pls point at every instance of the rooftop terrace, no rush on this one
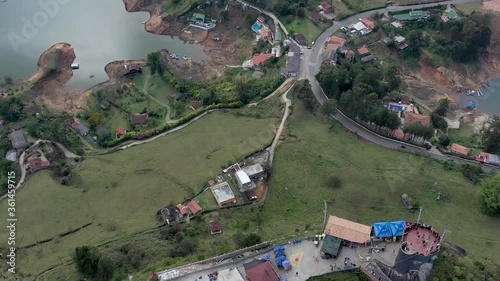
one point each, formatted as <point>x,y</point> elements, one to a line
<point>420,239</point>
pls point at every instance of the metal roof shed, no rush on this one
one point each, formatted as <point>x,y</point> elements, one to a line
<point>331,247</point>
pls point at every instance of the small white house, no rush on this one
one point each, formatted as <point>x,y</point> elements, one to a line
<point>243,180</point>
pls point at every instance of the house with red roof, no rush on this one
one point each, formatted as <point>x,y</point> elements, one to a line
<point>368,23</point>
<point>37,164</point>
<point>260,271</point>
<point>260,59</point>
<point>183,210</point>
<point>119,132</point>
<point>399,134</point>
<point>194,207</point>
<point>363,51</point>
<point>140,119</point>
<point>260,19</point>
<point>412,118</point>
<point>334,43</point>
<point>326,8</point>
<point>215,227</point>
<point>460,149</point>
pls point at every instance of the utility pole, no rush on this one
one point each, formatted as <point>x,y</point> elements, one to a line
<point>419,214</point>
<point>442,236</point>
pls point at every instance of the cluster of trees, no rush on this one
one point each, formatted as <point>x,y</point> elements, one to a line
<point>5,165</point>
<point>451,267</point>
<point>91,264</point>
<point>55,128</point>
<point>11,109</point>
<point>155,63</point>
<point>225,90</point>
<point>304,92</point>
<point>358,89</point>
<point>490,135</point>
<point>438,114</point>
<point>489,195</point>
<point>460,40</point>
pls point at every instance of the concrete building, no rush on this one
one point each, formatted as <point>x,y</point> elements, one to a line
<point>254,172</point>
<point>244,182</point>
<point>223,194</point>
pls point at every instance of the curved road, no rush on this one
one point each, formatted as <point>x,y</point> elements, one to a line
<point>145,91</point>
<point>312,62</point>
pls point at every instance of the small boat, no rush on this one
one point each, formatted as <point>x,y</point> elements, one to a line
<point>479,94</point>
<point>488,83</point>
<point>190,42</point>
<point>185,57</point>
<point>91,76</point>
<point>75,65</point>
<point>196,41</point>
<point>143,22</point>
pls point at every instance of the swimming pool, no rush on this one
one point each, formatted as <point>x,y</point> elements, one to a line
<point>256,27</point>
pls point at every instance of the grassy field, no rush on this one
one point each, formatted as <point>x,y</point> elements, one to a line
<point>119,193</point>
<point>304,26</point>
<point>374,179</point>
<point>363,5</point>
<point>468,8</point>
<point>465,136</point>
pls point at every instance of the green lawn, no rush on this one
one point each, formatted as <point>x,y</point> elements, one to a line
<point>304,26</point>
<point>120,192</point>
<point>374,179</point>
<point>364,5</point>
<point>465,136</point>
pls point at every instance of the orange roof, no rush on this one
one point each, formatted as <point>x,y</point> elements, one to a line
<point>399,134</point>
<point>460,149</point>
<point>182,209</point>
<point>412,118</point>
<point>370,24</point>
<point>193,207</point>
<point>335,40</point>
<point>347,230</point>
<point>211,182</point>
<point>260,18</point>
<point>259,59</point>
<point>120,131</point>
<point>363,50</point>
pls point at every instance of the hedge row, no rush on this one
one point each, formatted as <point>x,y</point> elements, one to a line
<point>165,127</point>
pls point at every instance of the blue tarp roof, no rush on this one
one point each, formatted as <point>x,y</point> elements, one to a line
<point>398,227</point>
<point>279,250</point>
<point>396,107</point>
<point>286,264</point>
<point>266,257</point>
<point>382,229</point>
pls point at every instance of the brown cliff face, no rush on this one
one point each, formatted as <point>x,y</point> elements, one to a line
<point>142,6</point>
<point>55,63</point>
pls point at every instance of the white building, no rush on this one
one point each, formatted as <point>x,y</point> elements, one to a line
<point>243,180</point>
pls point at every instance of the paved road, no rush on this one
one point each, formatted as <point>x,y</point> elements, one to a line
<point>313,66</point>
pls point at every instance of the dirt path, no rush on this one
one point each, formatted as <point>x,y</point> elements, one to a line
<point>145,91</point>
<point>288,103</point>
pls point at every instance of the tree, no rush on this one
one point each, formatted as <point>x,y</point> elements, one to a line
<point>489,195</point>
<point>443,107</point>
<point>250,240</point>
<point>8,80</point>
<point>334,182</point>
<point>438,121</point>
<point>328,107</point>
<point>301,12</point>
<point>102,134</point>
<point>11,109</point>
<point>87,260</point>
<point>490,135</point>
<point>105,269</point>
<point>95,119</point>
<point>444,140</point>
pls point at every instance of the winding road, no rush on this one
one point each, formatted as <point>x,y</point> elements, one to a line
<point>312,62</point>
<point>145,91</point>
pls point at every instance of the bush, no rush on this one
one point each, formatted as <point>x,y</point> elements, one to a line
<point>489,195</point>
<point>334,182</point>
<point>87,260</point>
<point>472,172</point>
<point>105,269</point>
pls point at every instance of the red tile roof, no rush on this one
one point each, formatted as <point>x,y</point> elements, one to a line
<point>215,227</point>
<point>182,209</point>
<point>38,164</point>
<point>259,59</point>
<point>399,134</point>
<point>370,24</point>
<point>211,182</point>
<point>140,118</point>
<point>263,272</point>
<point>363,50</point>
<point>412,118</point>
<point>196,105</point>
<point>193,207</point>
<point>460,149</point>
<point>119,132</point>
<point>260,18</point>
<point>335,40</point>
<point>326,6</point>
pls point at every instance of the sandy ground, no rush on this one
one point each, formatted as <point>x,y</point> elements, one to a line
<point>492,5</point>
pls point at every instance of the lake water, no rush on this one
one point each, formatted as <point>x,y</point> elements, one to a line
<point>490,101</point>
<point>100,31</point>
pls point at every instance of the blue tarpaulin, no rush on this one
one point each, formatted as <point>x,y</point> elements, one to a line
<point>286,265</point>
<point>398,228</point>
<point>382,230</point>
<point>266,257</point>
<point>279,250</point>
<point>280,260</point>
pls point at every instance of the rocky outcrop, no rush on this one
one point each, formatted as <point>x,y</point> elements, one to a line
<point>56,63</point>
<point>157,24</point>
